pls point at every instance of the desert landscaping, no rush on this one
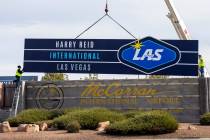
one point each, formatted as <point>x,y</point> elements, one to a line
<point>99,124</point>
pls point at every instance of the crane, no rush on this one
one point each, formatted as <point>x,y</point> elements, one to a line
<point>177,22</point>
<point>179,25</point>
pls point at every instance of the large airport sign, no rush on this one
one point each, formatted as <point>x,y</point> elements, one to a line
<point>148,56</point>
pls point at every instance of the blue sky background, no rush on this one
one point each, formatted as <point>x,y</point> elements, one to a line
<point>20,19</point>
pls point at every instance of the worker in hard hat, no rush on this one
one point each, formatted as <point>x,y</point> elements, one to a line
<point>18,75</point>
<point>201,65</point>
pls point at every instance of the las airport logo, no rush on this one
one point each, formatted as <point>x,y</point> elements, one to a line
<point>149,55</point>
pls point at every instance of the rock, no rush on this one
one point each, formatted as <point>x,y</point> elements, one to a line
<point>102,126</point>
<point>22,128</point>
<point>36,128</point>
<point>190,127</point>
<point>183,127</point>
<point>43,126</point>
<point>5,127</point>
<point>32,128</point>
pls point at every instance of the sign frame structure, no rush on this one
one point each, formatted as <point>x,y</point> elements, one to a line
<point>148,56</point>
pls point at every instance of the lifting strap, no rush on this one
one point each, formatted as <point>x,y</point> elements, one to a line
<point>90,27</point>
<point>106,15</point>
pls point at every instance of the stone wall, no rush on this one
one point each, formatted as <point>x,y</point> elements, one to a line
<point>181,97</point>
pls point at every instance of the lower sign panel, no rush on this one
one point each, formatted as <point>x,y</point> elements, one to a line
<point>103,68</point>
<point>147,56</point>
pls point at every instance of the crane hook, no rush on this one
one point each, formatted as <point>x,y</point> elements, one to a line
<point>106,8</point>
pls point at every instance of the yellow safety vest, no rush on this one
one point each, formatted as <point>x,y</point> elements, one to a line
<point>201,63</point>
<point>18,74</point>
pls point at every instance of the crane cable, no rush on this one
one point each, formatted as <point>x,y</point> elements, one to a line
<point>106,15</point>
<point>90,27</point>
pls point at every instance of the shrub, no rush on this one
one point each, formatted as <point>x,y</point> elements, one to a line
<point>152,122</point>
<point>205,119</point>
<point>56,113</point>
<point>61,122</point>
<point>88,118</point>
<point>73,127</point>
<point>14,121</point>
<point>68,110</point>
<point>30,116</point>
<point>132,113</point>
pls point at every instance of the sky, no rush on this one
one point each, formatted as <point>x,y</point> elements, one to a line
<point>20,19</point>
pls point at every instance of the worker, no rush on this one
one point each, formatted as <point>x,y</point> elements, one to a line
<point>18,75</point>
<point>201,65</point>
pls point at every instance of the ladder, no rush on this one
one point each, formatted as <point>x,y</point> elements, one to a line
<point>16,98</point>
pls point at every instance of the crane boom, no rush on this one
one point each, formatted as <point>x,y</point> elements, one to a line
<point>177,22</point>
<point>179,25</point>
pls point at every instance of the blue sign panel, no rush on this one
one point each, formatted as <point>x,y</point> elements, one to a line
<point>151,56</point>
<point>112,56</point>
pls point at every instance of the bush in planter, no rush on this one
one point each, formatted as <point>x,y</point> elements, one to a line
<point>133,113</point>
<point>153,122</point>
<point>73,127</point>
<point>30,116</point>
<point>68,110</point>
<point>56,113</point>
<point>88,118</point>
<point>14,121</point>
<point>71,114</point>
<point>96,115</point>
<point>205,119</point>
<point>62,121</point>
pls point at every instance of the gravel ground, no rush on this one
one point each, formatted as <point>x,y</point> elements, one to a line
<point>183,132</point>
